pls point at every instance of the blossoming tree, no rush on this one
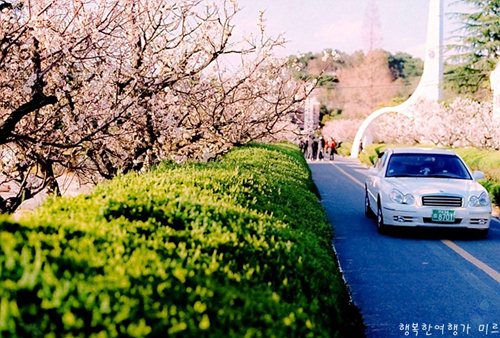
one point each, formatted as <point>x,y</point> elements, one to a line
<point>109,86</point>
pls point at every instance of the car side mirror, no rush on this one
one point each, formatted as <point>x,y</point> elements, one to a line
<point>478,175</point>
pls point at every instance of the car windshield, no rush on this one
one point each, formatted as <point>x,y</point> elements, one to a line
<point>427,165</point>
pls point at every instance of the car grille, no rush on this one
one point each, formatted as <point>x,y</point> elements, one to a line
<point>442,201</point>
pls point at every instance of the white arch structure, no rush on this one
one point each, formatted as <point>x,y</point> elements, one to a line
<point>430,86</point>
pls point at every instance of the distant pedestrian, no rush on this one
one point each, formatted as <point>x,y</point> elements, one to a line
<point>310,148</point>
<point>329,148</point>
<point>333,147</point>
<point>314,148</point>
<point>321,146</point>
<point>303,146</point>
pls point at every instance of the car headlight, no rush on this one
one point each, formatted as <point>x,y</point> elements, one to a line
<point>483,200</point>
<point>398,197</point>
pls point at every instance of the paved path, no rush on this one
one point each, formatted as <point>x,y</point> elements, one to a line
<point>68,184</point>
<point>410,283</point>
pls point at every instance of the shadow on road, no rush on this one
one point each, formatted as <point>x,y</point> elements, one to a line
<point>440,234</point>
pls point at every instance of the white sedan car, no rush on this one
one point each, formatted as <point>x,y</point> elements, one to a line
<point>426,187</point>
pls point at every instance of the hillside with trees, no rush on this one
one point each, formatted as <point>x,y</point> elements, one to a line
<point>352,86</point>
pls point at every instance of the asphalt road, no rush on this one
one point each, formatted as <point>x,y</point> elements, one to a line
<point>410,283</point>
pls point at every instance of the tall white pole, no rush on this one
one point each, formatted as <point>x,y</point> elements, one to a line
<point>430,87</point>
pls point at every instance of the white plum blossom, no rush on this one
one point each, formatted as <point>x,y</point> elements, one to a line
<point>461,123</point>
<point>104,87</point>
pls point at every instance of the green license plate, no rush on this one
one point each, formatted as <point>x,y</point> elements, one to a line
<point>444,216</point>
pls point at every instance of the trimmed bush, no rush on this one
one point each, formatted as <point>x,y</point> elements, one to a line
<point>485,160</point>
<point>371,153</point>
<point>488,161</point>
<point>234,248</point>
<point>345,149</point>
<point>493,189</point>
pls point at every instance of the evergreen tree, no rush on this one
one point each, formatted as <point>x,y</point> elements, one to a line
<point>479,47</point>
<point>405,66</point>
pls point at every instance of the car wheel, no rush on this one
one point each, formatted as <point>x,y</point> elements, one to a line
<point>381,227</point>
<point>368,210</point>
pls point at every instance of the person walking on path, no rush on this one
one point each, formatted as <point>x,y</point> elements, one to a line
<point>309,148</point>
<point>330,146</point>
<point>321,146</point>
<point>333,148</point>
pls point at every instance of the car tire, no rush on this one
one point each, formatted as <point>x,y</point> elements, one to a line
<point>381,227</point>
<point>368,210</point>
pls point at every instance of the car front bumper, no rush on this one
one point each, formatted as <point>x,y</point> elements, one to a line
<point>408,216</point>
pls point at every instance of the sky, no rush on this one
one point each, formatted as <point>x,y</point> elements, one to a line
<point>315,25</point>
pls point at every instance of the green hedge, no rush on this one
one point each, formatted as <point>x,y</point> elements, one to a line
<point>234,248</point>
<point>345,149</point>
<point>487,161</point>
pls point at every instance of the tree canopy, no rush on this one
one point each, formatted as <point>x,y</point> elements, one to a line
<point>104,87</point>
<point>353,85</point>
<point>478,48</point>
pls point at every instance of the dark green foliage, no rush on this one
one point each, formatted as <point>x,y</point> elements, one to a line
<point>405,66</point>
<point>479,46</point>
<point>493,189</point>
<point>301,62</point>
<point>326,114</point>
<point>482,31</point>
<point>327,81</point>
<point>235,248</point>
<point>469,80</point>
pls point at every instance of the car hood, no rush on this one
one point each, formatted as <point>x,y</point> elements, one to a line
<point>431,186</point>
